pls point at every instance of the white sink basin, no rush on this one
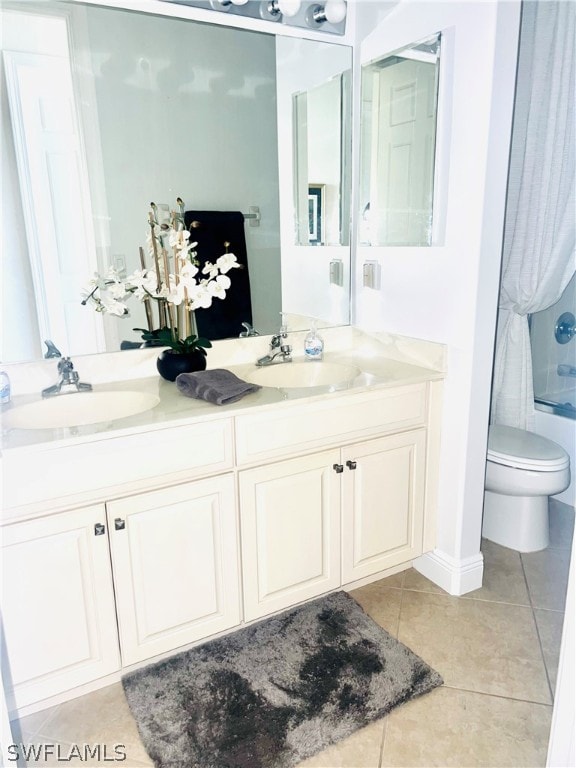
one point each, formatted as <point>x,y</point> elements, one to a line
<point>305,374</point>
<point>79,409</point>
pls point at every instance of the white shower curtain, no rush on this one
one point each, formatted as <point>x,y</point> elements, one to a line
<point>539,255</point>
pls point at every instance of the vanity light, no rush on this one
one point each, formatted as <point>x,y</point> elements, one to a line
<point>334,11</point>
<point>289,7</point>
<point>323,15</point>
<point>274,10</point>
<point>269,10</point>
<point>224,5</point>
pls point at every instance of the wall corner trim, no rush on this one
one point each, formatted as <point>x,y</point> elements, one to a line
<point>453,575</point>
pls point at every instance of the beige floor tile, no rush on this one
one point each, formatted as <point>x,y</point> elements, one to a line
<point>381,603</point>
<point>503,580</point>
<point>561,525</point>
<point>476,645</point>
<point>547,577</point>
<point>27,727</point>
<point>463,729</point>
<point>416,582</point>
<point>361,750</point>
<point>101,717</point>
<point>550,631</point>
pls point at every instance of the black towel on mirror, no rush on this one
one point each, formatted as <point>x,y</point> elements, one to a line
<point>211,229</point>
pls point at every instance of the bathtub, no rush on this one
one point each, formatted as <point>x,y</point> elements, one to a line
<point>557,422</point>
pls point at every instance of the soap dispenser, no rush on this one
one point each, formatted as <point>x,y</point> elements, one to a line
<point>313,344</point>
<point>4,388</point>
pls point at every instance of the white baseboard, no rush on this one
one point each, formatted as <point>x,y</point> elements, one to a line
<point>457,577</point>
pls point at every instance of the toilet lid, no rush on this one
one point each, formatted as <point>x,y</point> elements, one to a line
<point>525,450</point>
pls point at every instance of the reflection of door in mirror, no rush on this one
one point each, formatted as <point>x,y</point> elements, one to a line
<point>54,185</point>
<point>399,97</point>
<point>318,144</point>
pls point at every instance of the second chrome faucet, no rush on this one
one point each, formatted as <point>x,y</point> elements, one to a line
<point>280,350</point>
<point>69,381</point>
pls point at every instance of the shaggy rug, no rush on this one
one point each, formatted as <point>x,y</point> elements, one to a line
<point>274,693</point>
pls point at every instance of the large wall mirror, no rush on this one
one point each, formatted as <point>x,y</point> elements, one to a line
<point>398,139</point>
<point>105,110</point>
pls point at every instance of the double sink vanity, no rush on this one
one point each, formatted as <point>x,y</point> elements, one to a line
<point>138,521</point>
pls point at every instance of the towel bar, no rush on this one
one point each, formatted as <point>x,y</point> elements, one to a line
<point>253,215</point>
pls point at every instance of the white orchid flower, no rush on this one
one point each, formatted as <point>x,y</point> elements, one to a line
<point>138,277</point>
<point>177,238</point>
<point>114,307</point>
<point>117,290</point>
<point>188,271</point>
<point>210,269</point>
<point>175,293</point>
<point>217,288</point>
<point>227,262</point>
<point>199,297</point>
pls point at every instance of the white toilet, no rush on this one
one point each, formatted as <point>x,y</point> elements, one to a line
<point>522,470</point>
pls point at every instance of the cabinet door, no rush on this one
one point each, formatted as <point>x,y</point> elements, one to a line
<point>175,561</point>
<point>290,532</point>
<point>57,604</point>
<point>383,503</point>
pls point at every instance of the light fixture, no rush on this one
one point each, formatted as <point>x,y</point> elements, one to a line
<point>322,15</point>
<point>333,11</point>
<point>274,10</point>
<point>224,5</point>
<point>289,7</point>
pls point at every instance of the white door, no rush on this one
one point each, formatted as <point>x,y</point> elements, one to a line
<point>404,126</point>
<point>175,561</point>
<point>290,532</point>
<point>383,503</point>
<point>57,604</point>
<point>55,197</point>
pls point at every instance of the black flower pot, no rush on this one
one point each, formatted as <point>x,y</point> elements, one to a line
<point>171,363</point>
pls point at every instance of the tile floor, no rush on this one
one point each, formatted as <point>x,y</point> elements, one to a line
<point>497,649</point>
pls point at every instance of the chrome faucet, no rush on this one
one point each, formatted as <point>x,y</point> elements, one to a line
<point>280,351</point>
<point>248,331</point>
<point>69,381</point>
<point>51,349</point>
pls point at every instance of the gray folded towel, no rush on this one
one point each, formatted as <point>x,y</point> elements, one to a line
<point>217,386</point>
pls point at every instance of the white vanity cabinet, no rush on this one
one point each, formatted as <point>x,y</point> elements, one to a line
<point>383,503</point>
<point>58,606</point>
<point>72,616</point>
<point>313,523</point>
<point>329,518</point>
<point>290,520</point>
<point>261,509</point>
<point>175,563</point>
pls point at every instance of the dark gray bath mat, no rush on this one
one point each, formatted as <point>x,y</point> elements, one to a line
<point>274,693</point>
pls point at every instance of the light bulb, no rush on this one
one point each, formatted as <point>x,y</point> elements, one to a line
<point>289,7</point>
<point>239,2</point>
<point>335,11</point>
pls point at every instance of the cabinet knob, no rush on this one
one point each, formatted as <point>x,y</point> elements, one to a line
<point>119,524</point>
<point>338,468</point>
<point>351,464</point>
<point>99,529</point>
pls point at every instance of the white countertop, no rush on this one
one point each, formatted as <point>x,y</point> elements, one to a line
<point>384,361</point>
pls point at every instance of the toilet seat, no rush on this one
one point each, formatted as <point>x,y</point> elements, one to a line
<point>525,450</point>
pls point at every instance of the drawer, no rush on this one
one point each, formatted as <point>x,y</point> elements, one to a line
<point>79,472</point>
<point>265,436</point>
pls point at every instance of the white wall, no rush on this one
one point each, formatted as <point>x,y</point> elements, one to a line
<point>448,293</point>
